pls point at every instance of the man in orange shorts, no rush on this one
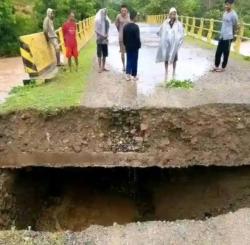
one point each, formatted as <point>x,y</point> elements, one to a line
<point>69,33</point>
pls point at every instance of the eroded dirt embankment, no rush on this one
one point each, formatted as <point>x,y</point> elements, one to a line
<point>232,228</point>
<point>205,135</point>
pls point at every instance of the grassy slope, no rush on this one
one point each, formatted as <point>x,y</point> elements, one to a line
<point>62,92</point>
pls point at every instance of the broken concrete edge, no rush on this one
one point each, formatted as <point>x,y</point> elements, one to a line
<point>60,111</point>
<point>215,134</point>
<point>105,160</point>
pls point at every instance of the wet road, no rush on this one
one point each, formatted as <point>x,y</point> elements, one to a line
<point>111,89</point>
<point>195,61</point>
<point>191,65</point>
<point>245,48</point>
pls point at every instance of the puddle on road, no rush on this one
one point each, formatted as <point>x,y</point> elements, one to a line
<point>193,61</point>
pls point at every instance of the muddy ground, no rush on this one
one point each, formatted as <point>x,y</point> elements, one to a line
<point>205,135</point>
<point>232,228</point>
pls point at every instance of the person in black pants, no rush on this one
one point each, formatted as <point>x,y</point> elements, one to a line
<point>223,48</point>
<point>132,42</point>
<point>228,30</point>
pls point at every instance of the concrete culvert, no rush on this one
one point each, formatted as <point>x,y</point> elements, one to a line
<point>75,198</point>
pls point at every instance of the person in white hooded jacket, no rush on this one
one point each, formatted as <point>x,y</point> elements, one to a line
<point>171,38</point>
<point>102,25</point>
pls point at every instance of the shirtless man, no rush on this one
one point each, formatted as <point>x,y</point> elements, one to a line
<point>121,20</point>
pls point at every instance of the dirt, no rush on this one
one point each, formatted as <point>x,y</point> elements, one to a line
<point>205,135</point>
<point>74,199</point>
<point>232,228</point>
<point>208,125</point>
<point>108,89</point>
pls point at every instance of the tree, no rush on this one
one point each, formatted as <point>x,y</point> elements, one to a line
<point>82,9</point>
<point>7,32</point>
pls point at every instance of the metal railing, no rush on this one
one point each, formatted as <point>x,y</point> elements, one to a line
<point>206,29</point>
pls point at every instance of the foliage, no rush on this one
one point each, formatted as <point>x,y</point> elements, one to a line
<point>7,34</point>
<point>82,9</point>
<point>65,90</point>
<point>185,84</point>
<point>19,17</point>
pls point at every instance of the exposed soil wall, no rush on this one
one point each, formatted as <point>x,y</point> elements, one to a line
<point>205,135</point>
<point>55,199</point>
<point>7,199</point>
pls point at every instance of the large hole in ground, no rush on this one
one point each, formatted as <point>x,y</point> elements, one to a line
<point>74,198</point>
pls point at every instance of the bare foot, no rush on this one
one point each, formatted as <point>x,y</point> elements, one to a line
<point>100,70</point>
<point>104,69</point>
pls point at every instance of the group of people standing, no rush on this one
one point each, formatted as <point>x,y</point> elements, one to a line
<point>171,35</point>
<point>129,40</point>
<point>69,33</point>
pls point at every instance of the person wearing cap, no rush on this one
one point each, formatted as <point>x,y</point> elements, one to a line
<point>228,30</point>
<point>70,32</point>
<point>171,38</point>
<point>50,34</point>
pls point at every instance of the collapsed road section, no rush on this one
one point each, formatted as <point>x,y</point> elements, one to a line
<point>86,137</point>
<point>60,199</point>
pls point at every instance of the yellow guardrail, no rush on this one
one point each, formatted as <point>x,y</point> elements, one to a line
<point>38,55</point>
<point>205,29</point>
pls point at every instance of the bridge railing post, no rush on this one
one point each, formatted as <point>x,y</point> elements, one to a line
<point>200,32</point>
<point>61,41</point>
<point>162,18</point>
<point>186,24</point>
<point>193,26</point>
<point>210,31</point>
<point>182,19</point>
<point>239,37</point>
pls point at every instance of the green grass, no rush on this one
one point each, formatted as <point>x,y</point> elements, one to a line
<point>185,84</point>
<point>64,91</point>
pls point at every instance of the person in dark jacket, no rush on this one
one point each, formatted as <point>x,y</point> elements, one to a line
<point>132,42</point>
